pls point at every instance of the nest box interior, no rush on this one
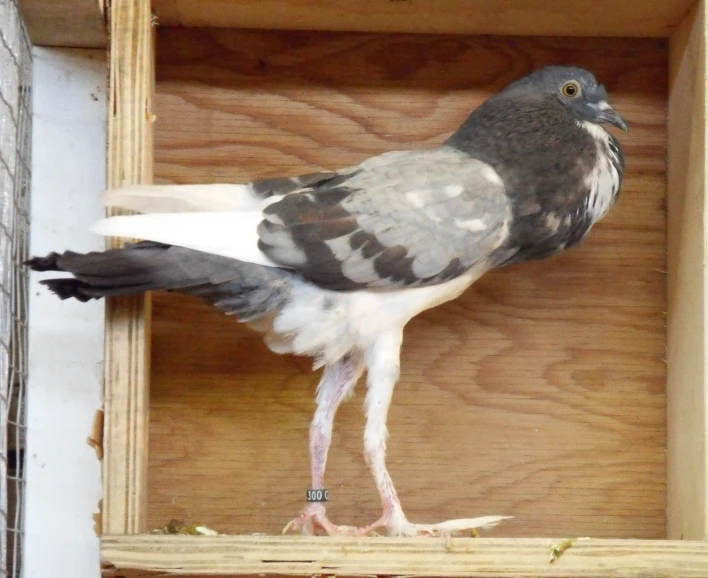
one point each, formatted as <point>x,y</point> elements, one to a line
<point>540,393</point>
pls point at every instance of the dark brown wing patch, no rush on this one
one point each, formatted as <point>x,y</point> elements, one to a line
<point>404,219</point>
<point>282,186</point>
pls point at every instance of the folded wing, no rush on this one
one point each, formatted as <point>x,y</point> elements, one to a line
<point>404,219</point>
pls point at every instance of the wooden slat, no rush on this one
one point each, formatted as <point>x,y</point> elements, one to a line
<point>687,512</point>
<point>128,319</point>
<point>69,23</point>
<point>520,558</point>
<point>656,18</point>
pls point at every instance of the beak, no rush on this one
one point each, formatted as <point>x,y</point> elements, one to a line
<point>607,114</point>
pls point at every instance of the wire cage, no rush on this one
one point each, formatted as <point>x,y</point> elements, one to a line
<point>15,133</point>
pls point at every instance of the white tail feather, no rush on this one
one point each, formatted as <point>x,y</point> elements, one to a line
<point>184,198</point>
<point>227,234</point>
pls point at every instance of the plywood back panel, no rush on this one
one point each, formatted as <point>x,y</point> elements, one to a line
<point>540,393</point>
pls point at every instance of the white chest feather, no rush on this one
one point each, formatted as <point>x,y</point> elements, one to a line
<point>604,180</point>
<point>329,324</point>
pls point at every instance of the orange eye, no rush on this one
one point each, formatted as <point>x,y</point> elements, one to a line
<point>571,89</point>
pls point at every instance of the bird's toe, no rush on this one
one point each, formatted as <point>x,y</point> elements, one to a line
<point>314,518</point>
<point>304,522</point>
<point>461,526</point>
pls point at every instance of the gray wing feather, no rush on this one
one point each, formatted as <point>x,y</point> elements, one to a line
<point>282,186</point>
<point>399,219</point>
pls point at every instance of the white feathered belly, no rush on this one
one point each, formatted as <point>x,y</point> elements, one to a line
<point>327,324</point>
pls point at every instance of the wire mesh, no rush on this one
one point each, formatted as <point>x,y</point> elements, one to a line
<point>15,133</point>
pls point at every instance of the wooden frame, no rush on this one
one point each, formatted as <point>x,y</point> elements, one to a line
<point>127,319</point>
<point>127,551</point>
<point>66,23</point>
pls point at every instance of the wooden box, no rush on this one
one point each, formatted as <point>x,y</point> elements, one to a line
<point>569,393</point>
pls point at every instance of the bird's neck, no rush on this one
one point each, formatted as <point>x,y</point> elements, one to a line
<point>504,127</point>
<point>546,161</point>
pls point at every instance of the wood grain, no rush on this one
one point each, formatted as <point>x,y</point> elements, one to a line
<point>501,558</point>
<point>636,18</point>
<point>687,391</point>
<point>127,338</point>
<point>540,393</point>
<point>70,23</point>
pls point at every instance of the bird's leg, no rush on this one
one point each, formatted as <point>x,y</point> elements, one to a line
<point>338,381</point>
<point>383,362</point>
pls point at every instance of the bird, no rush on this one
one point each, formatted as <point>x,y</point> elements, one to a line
<point>334,264</point>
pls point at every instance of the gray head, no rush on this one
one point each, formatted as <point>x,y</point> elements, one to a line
<point>573,87</point>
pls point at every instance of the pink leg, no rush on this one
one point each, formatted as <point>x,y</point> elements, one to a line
<point>383,371</point>
<point>338,381</point>
<point>336,385</point>
<point>383,362</point>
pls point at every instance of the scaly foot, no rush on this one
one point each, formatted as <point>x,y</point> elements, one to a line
<point>312,518</point>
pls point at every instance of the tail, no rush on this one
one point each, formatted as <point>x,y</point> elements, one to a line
<point>245,290</point>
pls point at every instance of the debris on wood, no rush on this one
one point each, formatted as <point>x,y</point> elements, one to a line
<point>558,549</point>
<point>174,527</point>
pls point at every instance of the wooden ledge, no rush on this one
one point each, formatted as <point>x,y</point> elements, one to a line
<point>152,555</point>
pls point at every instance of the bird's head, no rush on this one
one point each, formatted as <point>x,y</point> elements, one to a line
<point>575,88</point>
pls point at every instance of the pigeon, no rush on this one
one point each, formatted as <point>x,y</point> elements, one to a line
<point>333,264</point>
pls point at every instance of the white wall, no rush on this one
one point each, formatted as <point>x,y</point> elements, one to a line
<point>65,338</point>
